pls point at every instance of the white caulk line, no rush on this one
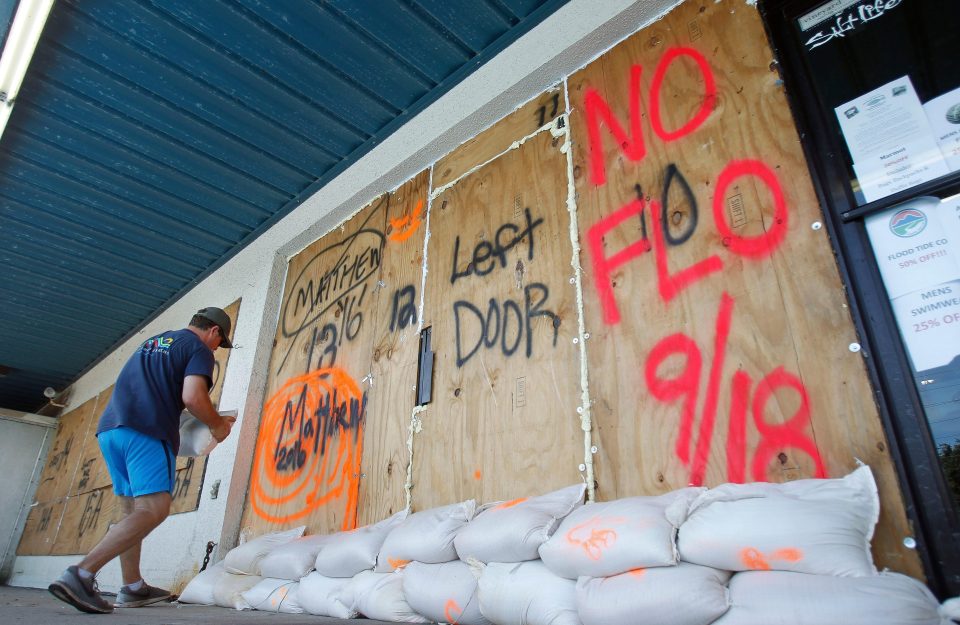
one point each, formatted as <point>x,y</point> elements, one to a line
<point>585,417</point>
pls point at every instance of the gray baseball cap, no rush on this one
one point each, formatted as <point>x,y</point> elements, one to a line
<point>220,318</point>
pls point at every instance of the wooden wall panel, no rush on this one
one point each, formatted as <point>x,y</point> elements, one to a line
<point>494,140</point>
<point>720,332</point>
<point>65,453</point>
<point>503,421</point>
<point>40,529</point>
<point>92,472</point>
<point>188,484</point>
<point>306,468</point>
<point>395,350</point>
<point>86,519</point>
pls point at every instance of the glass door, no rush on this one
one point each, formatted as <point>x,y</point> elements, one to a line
<point>875,86</point>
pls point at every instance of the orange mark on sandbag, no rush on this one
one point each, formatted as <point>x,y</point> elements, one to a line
<point>510,504</point>
<point>790,554</point>
<point>309,448</point>
<point>637,572</point>
<point>449,609</point>
<point>754,560</point>
<point>405,225</point>
<point>396,563</point>
<point>592,538</point>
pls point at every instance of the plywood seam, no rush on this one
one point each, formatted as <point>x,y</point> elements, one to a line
<point>586,421</point>
<point>415,427</point>
<point>513,146</point>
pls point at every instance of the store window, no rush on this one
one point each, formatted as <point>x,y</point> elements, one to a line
<point>876,88</point>
<point>917,247</point>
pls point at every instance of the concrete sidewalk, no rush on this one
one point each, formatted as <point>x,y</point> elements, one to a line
<point>29,606</point>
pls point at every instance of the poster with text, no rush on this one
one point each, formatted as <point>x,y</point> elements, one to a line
<point>917,245</point>
<point>890,140</point>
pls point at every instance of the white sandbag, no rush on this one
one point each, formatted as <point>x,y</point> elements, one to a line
<point>444,593</point>
<point>200,589</point>
<point>425,536</point>
<point>228,593</point>
<point>348,553</point>
<point>379,596</point>
<point>274,595</point>
<point>527,593</point>
<point>320,595</point>
<point>775,598</point>
<point>686,594</point>
<point>514,530</point>
<point>613,537</point>
<point>245,559</point>
<point>294,559</point>
<point>807,526</point>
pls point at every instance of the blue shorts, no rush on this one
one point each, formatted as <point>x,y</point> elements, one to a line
<point>139,464</point>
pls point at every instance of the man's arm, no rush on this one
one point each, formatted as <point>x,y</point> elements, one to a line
<point>197,401</point>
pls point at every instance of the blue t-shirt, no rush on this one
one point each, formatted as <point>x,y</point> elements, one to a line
<point>148,395</point>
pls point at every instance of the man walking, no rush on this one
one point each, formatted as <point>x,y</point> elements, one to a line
<point>139,437</point>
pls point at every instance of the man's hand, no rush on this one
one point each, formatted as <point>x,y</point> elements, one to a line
<point>222,429</point>
<point>197,401</point>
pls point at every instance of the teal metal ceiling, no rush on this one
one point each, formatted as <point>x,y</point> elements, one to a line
<point>152,140</point>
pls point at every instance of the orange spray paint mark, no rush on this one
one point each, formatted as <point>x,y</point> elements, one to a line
<point>405,225</point>
<point>309,448</point>
<point>477,474</point>
<point>637,572</point>
<point>754,560</point>
<point>452,611</point>
<point>790,554</point>
<point>510,504</point>
<point>396,563</point>
<point>592,538</point>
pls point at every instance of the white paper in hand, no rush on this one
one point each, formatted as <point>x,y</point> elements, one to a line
<point>196,439</point>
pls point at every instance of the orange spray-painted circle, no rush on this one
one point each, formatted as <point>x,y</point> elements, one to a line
<point>309,448</point>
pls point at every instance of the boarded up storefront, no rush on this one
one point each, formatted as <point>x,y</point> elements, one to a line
<point>625,281</point>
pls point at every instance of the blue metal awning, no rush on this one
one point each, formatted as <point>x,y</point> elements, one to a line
<point>152,140</point>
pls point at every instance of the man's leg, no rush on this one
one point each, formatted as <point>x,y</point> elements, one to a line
<point>148,512</point>
<point>130,559</point>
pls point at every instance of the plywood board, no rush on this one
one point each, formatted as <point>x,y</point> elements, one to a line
<point>187,485</point>
<point>86,520</point>
<point>395,350</point>
<point>488,144</point>
<point>92,472</point>
<point>720,332</point>
<point>503,421</point>
<point>306,468</point>
<point>63,459</point>
<point>40,529</point>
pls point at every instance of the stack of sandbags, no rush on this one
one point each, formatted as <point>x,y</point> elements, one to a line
<point>426,536</point>
<point>501,545</point>
<point>225,583</point>
<point>801,553</point>
<point>624,559</point>
<point>341,557</point>
<point>738,554</point>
